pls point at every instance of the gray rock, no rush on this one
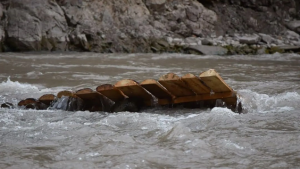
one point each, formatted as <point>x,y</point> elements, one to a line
<point>249,40</point>
<point>79,40</point>
<point>199,41</point>
<point>296,43</point>
<point>157,5</point>
<point>159,25</point>
<point>163,43</point>
<point>266,38</point>
<point>34,24</point>
<point>191,41</point>
<point>273,45</point>
<point>278,42</point>
<point>207,42</point>
<point>291,35</point>
<point>177,41</point>
<point>170,40</point>
<point>123,36</point>
<point>193,13</point>
<point>294,25</point>
<point>209,50</point>
<point>230,41</point>
<point>7,105</point>
<point>202,19</point>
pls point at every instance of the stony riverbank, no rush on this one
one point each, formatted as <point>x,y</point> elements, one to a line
<point>188,26</point>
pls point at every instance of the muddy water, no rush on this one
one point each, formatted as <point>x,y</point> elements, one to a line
<point>268,136</point>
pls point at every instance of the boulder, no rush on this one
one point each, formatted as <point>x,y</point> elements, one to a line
<point>191,41</point>
<point>249,40</point>
<point>294,25</point>
<point>207,42</point>
<point>209,50</point>
<point>7,105</point>
<point>266,38</point>
<point>291,35</point>
<point>156,5</point>
<point>78,40</point>
<point>200,19</point>
<point>296,43</point>
<point>36,25</point>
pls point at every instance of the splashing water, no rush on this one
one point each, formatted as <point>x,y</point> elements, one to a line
<point>254,102</point>
<point>266,136</point>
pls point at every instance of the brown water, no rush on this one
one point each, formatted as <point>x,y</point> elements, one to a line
<point>268,136</point>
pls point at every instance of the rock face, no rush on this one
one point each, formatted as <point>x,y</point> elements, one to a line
<point>250,16</point>
<point>138,25</point>
<point>35,25</point>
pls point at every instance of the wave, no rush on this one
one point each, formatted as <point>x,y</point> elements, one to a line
<point>14,91</point>
<point>16,87</point>
<point>254,102</point>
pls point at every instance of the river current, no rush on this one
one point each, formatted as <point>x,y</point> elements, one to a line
<point>266,136</point>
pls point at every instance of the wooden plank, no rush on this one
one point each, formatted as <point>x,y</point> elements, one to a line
<point>64,93</point>
<point>31,103</point>
<point>27,101</point>
<point>195,84</point>
<point>92,99</point>
<point>84,90</point>
<point>133,90</point>
<point>47,98</point>
<point>111,92</point>
<point>156,89</point>
<point>175,85</point>
<point>87,94</point>
<point>196,98</point>
<point>214,81</point>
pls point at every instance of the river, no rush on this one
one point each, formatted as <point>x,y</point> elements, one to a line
<point>266,136</point>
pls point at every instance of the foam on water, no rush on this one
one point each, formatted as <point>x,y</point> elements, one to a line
<point>34,74</point>
<point>19,88</point>
<point>254,102</point>
<point>11,91</point>
<point>14,91</point>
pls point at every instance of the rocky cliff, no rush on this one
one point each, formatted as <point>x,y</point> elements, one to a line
<point>145,25</point>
